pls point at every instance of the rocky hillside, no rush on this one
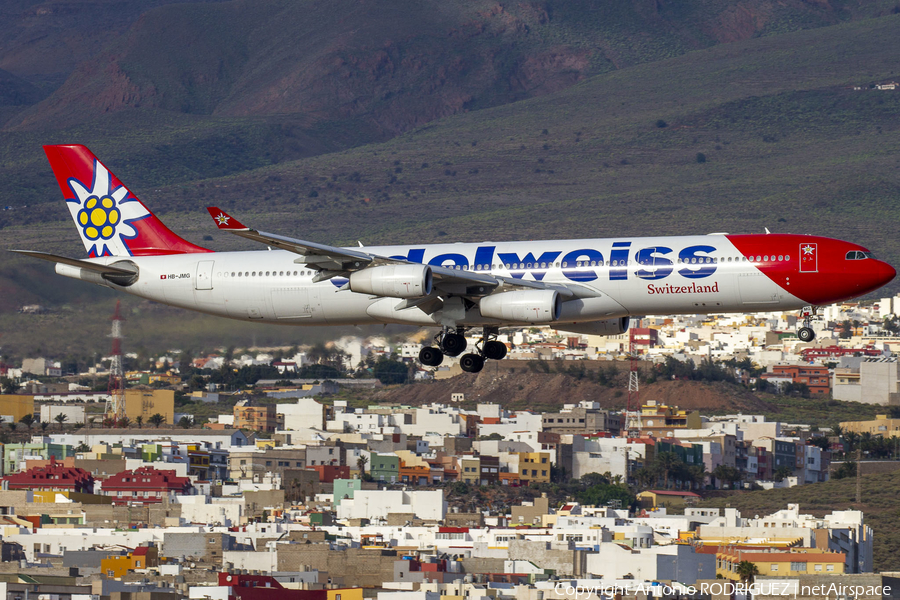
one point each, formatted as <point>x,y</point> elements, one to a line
<point>392,66</point>
<point>523,385</point>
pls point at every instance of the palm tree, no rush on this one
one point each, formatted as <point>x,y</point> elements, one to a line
<point>697,476</point>
<point>61,418</point>
<point>667,463</point>
<point>644,477</point>
<point>157,420</point>
<point>139,421</point>
<point>28,420</point>
<point>361,464</point>
<point>746,570</point>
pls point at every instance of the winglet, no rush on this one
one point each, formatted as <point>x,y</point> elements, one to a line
<point>224,220</point>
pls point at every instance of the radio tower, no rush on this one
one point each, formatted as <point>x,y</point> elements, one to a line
<point>633,406</point>
<point>115,403</point>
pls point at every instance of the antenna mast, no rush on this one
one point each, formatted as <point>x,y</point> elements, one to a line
<point>115,402</point>
<point>633,406</point>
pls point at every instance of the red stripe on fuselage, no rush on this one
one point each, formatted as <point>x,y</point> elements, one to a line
<point>836,278</point>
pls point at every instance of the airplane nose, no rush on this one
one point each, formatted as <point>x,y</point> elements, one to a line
<point>884,273</point>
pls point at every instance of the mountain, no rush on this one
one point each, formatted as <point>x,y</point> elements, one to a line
<point>396,65</point>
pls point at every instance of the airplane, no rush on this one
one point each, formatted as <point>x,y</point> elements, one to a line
<point>588,286</point>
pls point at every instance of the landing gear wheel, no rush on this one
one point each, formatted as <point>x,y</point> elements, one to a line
<point>806,334</point>
<point>453,344</point>
<point>494,350</point>
<point>430,357</point>
<point>471,363</point>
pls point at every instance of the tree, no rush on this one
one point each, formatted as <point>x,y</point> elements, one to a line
<point>61,418</point>
<point>667,464</point>
<point>361,464</point>
<point>157,420</point>
<point>186,422</point>
<point>644,477</point>
<point>8,386</point>
<point>139,421</point>
<point>123,422</point>
<point>820,441</point>
<point>28,420</point>
<point>847,469</point>
<point>390,372</point>
<point>727,474</point>
<point>746,570</point>
<point>697,476</point>
<point>782,472</point>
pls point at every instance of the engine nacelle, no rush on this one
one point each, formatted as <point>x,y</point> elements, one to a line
<point>605,327</point>
<point>525,306</point>
<point>393,281</point>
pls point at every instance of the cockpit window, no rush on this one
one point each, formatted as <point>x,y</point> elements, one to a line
<point>858,255</point>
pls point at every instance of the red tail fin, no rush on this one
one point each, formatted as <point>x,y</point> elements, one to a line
<point>110,219</point>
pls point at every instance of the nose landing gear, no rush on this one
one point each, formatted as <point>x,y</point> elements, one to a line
<point>453,343</point>
<point>806,333</point>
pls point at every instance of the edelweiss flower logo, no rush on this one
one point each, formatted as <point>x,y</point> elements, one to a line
<point>105,215</point>
<point>98,218</point>
<point>222,219</point>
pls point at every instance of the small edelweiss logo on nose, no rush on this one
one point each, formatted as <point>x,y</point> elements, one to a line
<point>98,218</point>
<point>222,219</point>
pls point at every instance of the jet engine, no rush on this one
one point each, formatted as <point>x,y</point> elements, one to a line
<point>393,281</point>
<point>527,306</point>
<point>605,327</point>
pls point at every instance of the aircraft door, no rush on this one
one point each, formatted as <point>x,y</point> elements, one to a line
<point>292,303</point>
<point>758,290</point>
<point>203,280</point>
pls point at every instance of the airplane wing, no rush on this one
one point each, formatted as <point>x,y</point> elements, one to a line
<point>332,261</point>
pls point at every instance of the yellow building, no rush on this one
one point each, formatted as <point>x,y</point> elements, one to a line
<point>146,403</point>
<point>16,406</point>
<point>345,594</point>
<point>881,426</point>
<point>661,420</point>
<point>797,561</point>
<point>534,467</point>
<point>115,567</point>
<point>54,497</point>
<point>470,470</point>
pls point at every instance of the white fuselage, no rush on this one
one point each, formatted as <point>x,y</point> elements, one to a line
<point>637,276</point>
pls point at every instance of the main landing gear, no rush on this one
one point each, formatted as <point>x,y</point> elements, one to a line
<point>453,343</point>
<point>806,333</point>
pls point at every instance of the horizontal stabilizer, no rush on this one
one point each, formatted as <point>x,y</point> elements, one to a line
<point>74,262</point>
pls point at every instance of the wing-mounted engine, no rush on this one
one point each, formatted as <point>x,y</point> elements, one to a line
<point>525,306</point>
<point>604,327</point>
<point>393,281</point>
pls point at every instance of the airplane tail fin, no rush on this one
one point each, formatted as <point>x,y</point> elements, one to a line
<point>110,219</point>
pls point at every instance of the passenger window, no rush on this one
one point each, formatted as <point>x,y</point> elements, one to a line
<point>780,258</point>
<point>787,257</point>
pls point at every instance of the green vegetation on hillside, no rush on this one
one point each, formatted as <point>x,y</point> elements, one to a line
<point>879,506</point>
